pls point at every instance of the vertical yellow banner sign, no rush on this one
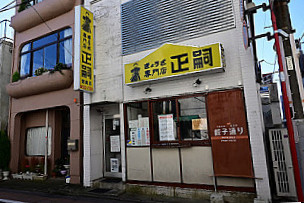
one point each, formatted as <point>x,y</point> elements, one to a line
<point>84,50</point>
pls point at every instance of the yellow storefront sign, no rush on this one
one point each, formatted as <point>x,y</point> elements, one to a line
<point>173,60</point>
<point>84,53</point>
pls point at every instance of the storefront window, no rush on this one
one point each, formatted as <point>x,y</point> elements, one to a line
<point>193,119</point>
<point>138,124</point>
<point>165,120</point>
<point>176,120</point>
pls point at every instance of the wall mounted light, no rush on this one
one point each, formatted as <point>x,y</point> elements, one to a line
<point>147,90</point>
<point>197,82</point>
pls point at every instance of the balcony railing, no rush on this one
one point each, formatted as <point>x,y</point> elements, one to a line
<point>6,32</point>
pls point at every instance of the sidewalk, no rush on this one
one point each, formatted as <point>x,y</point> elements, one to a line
<point>59,187</point>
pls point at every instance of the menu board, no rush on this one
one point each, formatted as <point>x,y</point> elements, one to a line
<point>166,127</point>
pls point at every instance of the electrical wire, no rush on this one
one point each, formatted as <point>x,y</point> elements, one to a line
<point>8,5</point>
<point>268,62</point>
<point>52,31</point>
<point>14,6</point>
<point>31,6</point>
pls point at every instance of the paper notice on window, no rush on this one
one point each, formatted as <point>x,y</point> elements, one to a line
<point>166,127</point>
<point>143,122</point>
<point>133,124</point>
<point>115,143</point>
<point>139,137</point>
<point>133,136</point>
<point>145,136</point>
<point>114,165</point>
<point>199,124</point>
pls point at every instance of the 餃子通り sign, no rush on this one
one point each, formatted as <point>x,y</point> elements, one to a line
<point>83,60</point>
<point>174,60</point>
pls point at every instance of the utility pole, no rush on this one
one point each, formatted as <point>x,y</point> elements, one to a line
<point>281,11</point>
<point>284,23</point>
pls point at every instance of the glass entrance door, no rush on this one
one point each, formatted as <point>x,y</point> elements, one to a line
<point>112,155</point>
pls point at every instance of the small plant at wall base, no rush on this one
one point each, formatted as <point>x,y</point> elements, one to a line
<point>16,76</point>
<point>5,151</point>
<point>41,70</point>
<point>24,167</point>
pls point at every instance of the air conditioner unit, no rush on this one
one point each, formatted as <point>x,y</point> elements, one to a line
<point>282,162</point>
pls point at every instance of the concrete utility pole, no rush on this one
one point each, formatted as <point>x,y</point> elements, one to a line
<point>281,11</point>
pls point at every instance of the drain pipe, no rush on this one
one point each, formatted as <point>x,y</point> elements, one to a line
<point>46,141</point>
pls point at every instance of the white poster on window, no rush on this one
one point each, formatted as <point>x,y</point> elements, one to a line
<point>143,122</point>
<point>115,143</point>
<point>166,127</point>
<point>114,165</point>
<point>133,124</point>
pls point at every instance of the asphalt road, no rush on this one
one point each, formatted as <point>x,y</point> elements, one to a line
<point>11,196</point>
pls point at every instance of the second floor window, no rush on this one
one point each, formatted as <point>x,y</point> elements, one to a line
<point>46,52</point>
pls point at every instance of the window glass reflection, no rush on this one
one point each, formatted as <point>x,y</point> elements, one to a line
<point>50,55</point>
<point>37,60</point>
<point>26,48</point>
<point>65,52</point>
<point>45,40</point>
<point>46,52</point>
<point>25,65</point>
<point>66,33</point>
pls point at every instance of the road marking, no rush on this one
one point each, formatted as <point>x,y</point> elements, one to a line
<point>9,201</point>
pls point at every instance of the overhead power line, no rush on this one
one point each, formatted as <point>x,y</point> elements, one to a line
<point>14,6</point>
<point>7,5</point>
<point>301,37</point>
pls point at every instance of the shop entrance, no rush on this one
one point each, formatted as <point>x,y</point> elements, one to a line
<point>112,149</point>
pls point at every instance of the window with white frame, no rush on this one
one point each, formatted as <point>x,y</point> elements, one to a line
<point>36,141</point>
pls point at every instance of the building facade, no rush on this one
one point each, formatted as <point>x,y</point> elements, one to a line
<point>5,75</point>
<point>43,102</point>
<point>176,102</point>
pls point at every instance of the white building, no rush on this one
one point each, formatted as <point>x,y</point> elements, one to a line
<point>202,129</point>
<point>5,75</point>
